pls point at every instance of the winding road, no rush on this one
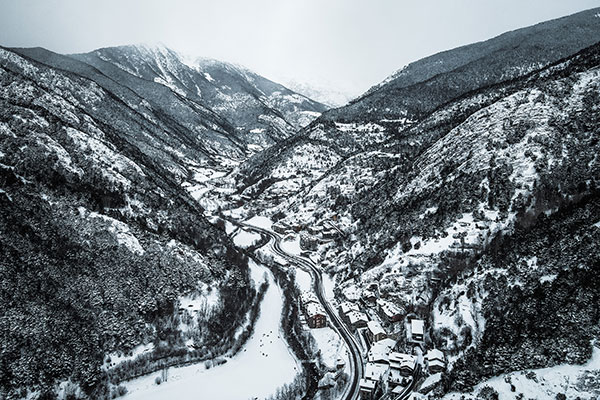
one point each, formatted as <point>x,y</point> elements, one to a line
<point>356,354</point>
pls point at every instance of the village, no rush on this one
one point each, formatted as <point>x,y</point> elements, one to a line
<point>392,362</point>
<point>395,351</point>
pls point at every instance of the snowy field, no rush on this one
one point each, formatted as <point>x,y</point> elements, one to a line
<point>257,371</point>
<point>331,346</point>
<point>292,246</point>
<point>245,239</point>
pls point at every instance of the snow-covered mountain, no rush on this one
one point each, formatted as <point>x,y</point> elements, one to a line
<point>232,110</point>
<point>430,174</point>
<point>99,242</point>
<point>100,239</point>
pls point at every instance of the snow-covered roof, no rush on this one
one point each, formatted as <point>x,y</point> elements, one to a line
<point>375,328</point>
<point>314,309</point>
<point>435,354</point>
<point>389,309</point>
<point>436,363</point>
<point>380,350</point>
<point>356,316</point>
<point>401,360</point>
<point>417,326</point>
<point>367,384</point>
<point>374,371</point>
<point>348,306</point>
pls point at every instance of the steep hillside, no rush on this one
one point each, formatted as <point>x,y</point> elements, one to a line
<point>424,85</point>
<point>388,111</point>
<point>232,110</point>
<point>418,200</point>
<point>98,241</point>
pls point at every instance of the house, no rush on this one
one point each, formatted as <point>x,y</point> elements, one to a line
<point>348,306</point>
<point>315,315</point>
<point>367,389</point>
<point>375,331</point>
<point>402,366</point>
<point>357,319</point>
<point>436,361</point>
<point>374,371</point>
<point>307,298</point>
<point>417,330</point>
<point>380,351</point>
<point>389,310</point>
<point>280,227</point>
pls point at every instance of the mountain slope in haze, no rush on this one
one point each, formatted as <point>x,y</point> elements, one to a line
<point>98,240</point>
<point>249,101</point>
<point>232,110</point>
<point>387,112</point>
<point>428,83</point>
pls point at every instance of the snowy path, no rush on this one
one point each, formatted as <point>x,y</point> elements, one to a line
<point>256,372</point>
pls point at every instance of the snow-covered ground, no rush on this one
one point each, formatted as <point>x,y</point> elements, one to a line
<point>303,280</point>
<point>263,365</point>
<point>260,222</point>
<point>245,239</point>
<point>331,346</point>
<point>575,381</point>
<point>292,246</point>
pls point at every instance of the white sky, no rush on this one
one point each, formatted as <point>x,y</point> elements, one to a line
<point>349,45</point>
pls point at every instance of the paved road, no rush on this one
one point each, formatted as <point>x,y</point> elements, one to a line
<point>356,358</point>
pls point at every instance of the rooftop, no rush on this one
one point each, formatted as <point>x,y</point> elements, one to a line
<point>356,316</point>
<point>313,309</point>
<point>375,328</point>
<point>417,326</point>
<point>435,354</point>
<point>374,371</point>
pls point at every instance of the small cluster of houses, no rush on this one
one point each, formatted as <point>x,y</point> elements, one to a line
<point>318,231</point>
<point>385,363</point>
<point>351,314</point>
<point>313,310</point>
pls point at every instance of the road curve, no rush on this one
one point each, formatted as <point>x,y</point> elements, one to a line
<point>356,355</point>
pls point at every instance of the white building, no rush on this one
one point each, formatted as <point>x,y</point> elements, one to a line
<point>417,330</point>
<point>376,332</point>
<point>401,367</point>
<point>380,351</point>
<point>436,361</point>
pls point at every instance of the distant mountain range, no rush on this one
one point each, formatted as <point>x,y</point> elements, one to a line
<point>229,109</point>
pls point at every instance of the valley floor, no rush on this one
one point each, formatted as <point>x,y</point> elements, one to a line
<point>262,366</point>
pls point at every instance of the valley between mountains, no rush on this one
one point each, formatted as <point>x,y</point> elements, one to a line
<point>181,227</point>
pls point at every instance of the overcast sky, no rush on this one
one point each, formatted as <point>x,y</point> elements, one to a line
<point>348,44</point>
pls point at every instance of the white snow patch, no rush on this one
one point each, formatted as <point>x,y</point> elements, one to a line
<point>208,77</point>
<point>245,239</point>
<point>292,246</point>
<point>260,222</point>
